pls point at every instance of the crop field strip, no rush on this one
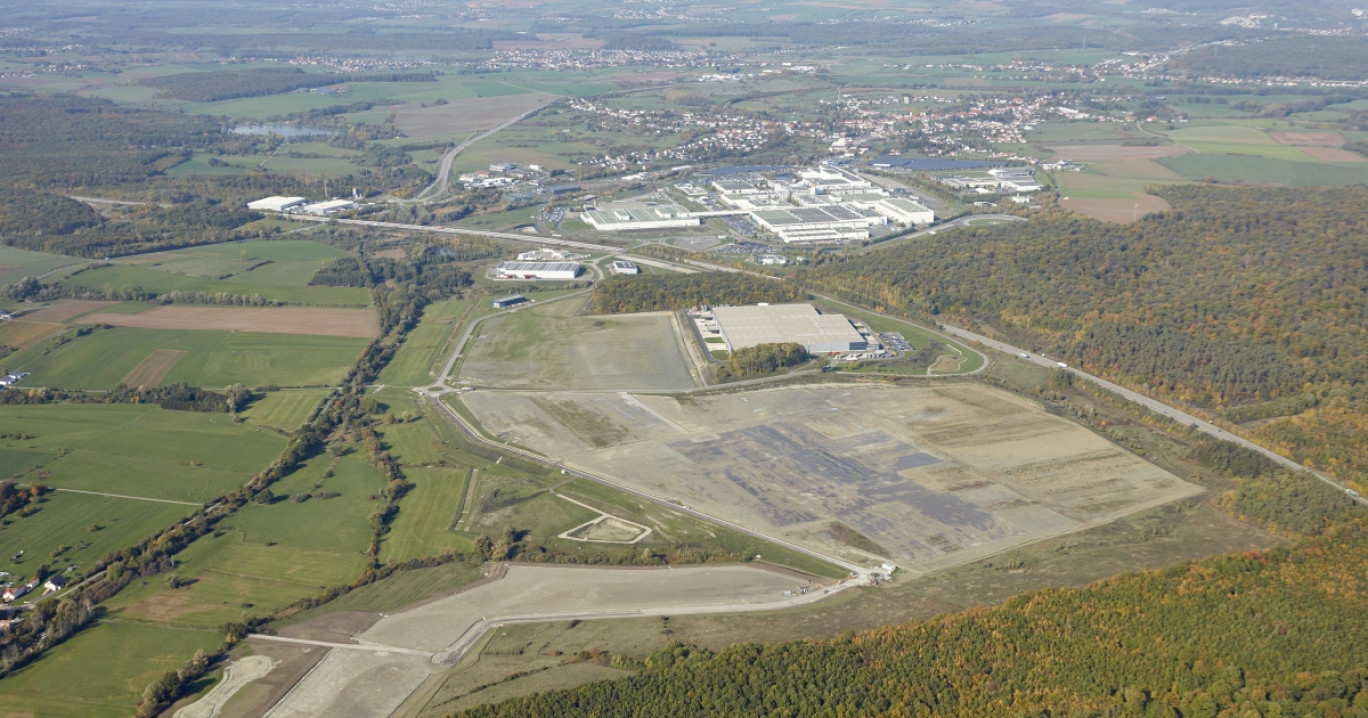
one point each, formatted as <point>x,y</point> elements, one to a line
<point>151,370</point>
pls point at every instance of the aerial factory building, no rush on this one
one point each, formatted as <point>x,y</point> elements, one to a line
<point>537,270</point>
<point>819,333</point>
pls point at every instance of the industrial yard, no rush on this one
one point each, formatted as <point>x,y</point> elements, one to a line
<point>932,476</point>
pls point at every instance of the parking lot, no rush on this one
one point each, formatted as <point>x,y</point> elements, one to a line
<point>895,342</point>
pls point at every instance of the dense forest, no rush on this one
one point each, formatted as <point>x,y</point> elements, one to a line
<point>144,228</point>
<point>1279,632</point>
<point>763,359</point>
<point>1330,58</point>
<point>67,141</point>
<point>1245,301</point>
<point>26,211</point>
<point>657,292</point>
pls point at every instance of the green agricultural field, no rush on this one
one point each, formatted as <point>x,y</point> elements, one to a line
<point>111,664</point>
<point>291,261</point>
<point>15,264</point>
<point>66,519</point>
<point>213,359</point>
<point>1262,170</point>
<point>134,450</point>
<point>419,353</point>
<point>426,515</point>
<point>284,410</point>
<point>127,277</point>
<point>332,525</point>
<point>412,443</point>
<point>228,576</point>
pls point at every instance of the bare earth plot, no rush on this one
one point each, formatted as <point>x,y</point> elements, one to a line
<point>936,476</point>
<point>66,309</point>
<point>542,349</point>
<point>355,684</point>
<point>1117,210</point>
<point>282,320</point>
<point>1333,154</point>
<point>1110,153</point>
<point>467,114</point>
<point>150,371</point>
<point>1308,139</point>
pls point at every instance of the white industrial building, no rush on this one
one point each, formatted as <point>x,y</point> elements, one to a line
<point>832,223</point>
<point>898,209</point>
<point>537,270</point>
<point>819,333</point>
<point>666,216</point>
<point>330,207</point>
<point>621,267</point>
<point>277,204</point>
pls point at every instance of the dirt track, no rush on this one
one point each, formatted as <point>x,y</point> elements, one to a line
<point>283,320</point>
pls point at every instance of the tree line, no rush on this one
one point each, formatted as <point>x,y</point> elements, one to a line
<point>227,85</point>
<point>660,292</point>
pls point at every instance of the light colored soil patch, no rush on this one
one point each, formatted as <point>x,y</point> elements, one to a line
<point>1308,139</point>
<point>22,333</point>
<point>1333,154</point>
<point>1105,153</point>
<point>66,309</point>
<point>357,684</point>
<point>396,253</point>
<point>946,363</point>
<point>606,529</point>
<point>1117,210</point>
<point>535,590</point>
<point>938,476</point>
<point>150,371</point>
<point>283,320</point>
<point>464,115</point>
<point>238,674</point>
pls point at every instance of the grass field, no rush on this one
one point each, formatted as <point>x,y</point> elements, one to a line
<point>1240,169</point>
<point>271,287</point>
<point>213,358</point>
<point>546,348</point>
<point>419,355</point>
<point>332,525</point>
<point>412,443</point>
<point>15,264</point>
<point>284,410</point>
<point>228,576</point>
<point>21,334</point>
<point>291,261</point>
<point>111,664</point>
<point>135,450</point>
<point>426,514</point>
<point>64,519</point>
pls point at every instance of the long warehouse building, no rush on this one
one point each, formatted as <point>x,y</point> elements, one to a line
<point>819,333</point>
<point>537,270</point>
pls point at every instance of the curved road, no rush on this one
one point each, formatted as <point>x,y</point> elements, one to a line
<point>439,186</point>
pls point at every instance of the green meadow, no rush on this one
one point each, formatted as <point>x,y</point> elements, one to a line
<point>213,359</point>
<point>284,410</point>
<point>111,663</point>
<point>273,285</point>
<point>15,264</point>
<point>134,450</point>
<point>80,529</point>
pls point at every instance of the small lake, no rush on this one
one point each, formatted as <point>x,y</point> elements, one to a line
<point>282,130</point>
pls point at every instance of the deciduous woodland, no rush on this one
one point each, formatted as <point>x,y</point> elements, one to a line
<point>1246,302</point>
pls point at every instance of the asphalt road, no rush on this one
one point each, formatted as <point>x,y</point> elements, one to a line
<point>439,186</point>
<point>1154,405</point>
